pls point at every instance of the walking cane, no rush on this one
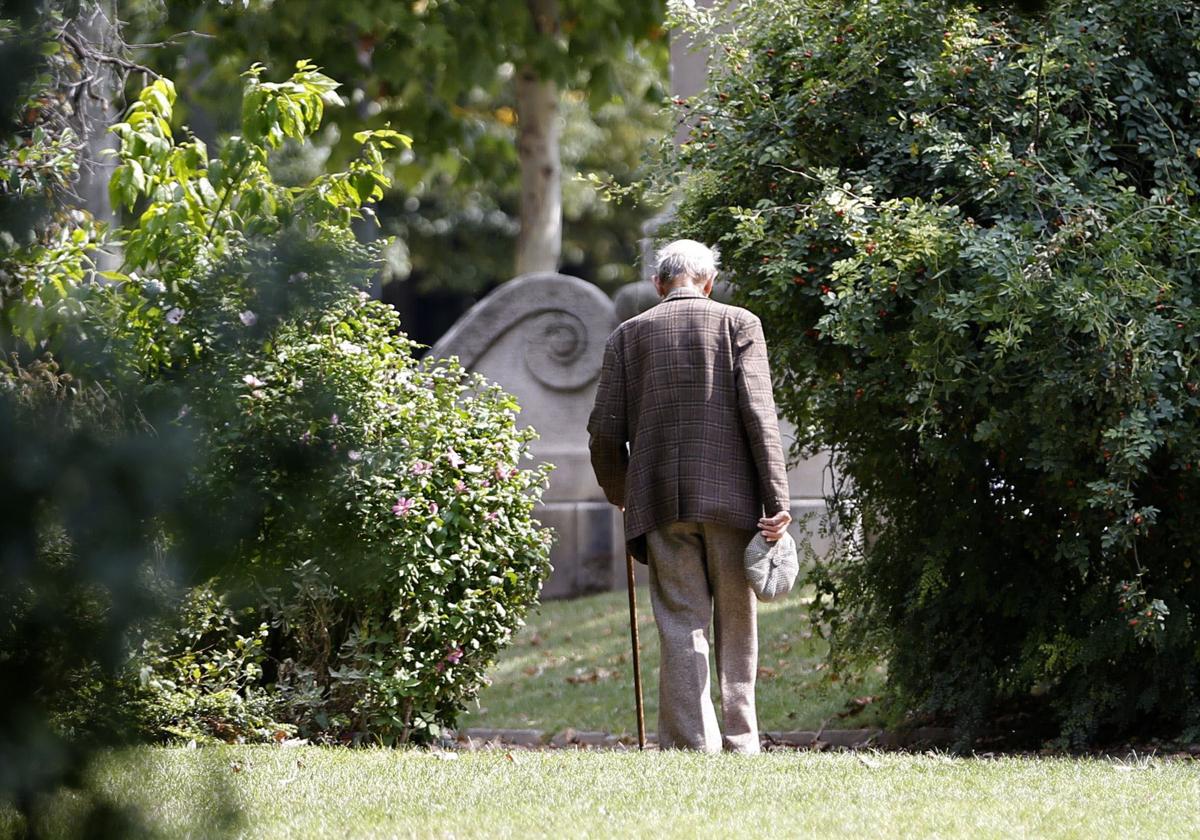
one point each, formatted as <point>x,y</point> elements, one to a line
<point>637,658</point>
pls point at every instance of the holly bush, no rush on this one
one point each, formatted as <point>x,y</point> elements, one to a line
<point>972,237</point>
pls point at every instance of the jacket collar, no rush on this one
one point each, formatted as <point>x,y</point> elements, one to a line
<point>684,292</point>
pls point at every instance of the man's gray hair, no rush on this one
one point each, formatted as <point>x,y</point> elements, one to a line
<point>687,258</point>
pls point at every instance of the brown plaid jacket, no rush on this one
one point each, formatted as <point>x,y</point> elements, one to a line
<point>686,385</point>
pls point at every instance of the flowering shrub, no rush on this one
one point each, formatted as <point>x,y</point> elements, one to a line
<point>421,522</point>
<point>971,236</point>
<point>389,520</point>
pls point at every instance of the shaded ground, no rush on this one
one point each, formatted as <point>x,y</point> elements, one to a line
<point>570,668</point>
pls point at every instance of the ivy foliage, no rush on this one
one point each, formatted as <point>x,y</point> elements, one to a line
<point>972,236</point>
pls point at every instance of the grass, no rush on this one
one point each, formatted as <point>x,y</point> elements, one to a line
<point>315,792</point>
<point>570,667</point>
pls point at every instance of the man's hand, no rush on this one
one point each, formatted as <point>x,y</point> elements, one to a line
<point>774,527</point>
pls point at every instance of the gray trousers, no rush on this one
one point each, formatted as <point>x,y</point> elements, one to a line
<point>698,577</point>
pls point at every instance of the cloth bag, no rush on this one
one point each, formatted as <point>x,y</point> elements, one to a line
<point>771,567</point>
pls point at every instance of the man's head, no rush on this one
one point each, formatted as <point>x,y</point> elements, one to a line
<point>685,262</point>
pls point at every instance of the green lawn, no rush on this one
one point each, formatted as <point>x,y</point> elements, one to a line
<point>570,667</point>
<point>314,792</point>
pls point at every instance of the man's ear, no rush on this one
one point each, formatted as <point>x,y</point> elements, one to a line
<point>658,287</point>
<point>708,286</point>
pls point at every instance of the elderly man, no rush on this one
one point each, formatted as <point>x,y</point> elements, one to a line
<point>684,438</point>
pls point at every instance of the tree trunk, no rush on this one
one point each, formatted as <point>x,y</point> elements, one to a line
<point>539,243</point>
<point>97,24</point>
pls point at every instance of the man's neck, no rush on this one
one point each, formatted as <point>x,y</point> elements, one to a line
<point>685,288</point>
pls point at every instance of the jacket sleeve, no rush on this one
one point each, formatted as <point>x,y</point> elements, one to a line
<point>608,429</point>
<point>756,405</point>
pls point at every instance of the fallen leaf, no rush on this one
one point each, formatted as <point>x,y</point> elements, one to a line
<point>855,705</point>
<point>869,762</point>
<point>582,676</point>
<point>765,673</point>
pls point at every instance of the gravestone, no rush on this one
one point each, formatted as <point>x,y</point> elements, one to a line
<point>541,338</point>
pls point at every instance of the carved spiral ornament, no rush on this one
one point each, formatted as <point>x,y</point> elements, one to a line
<point>557,351</point>
<point>563,320</point>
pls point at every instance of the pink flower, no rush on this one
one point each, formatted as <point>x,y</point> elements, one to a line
<point>248,318</point>
<point>460,487</point>
<point>354,455</point>
<point>174,316</point>
<point>306,437</point>
<point>403,506</point>
<point>485,483</point>
<point>455,459</point>
<point>421,468</point>
<point>455,656</point>
<point>253,381</point>
<point>505,472</point>
<point>334,420</point>
<point>433,508</point>
<point>492,516</point>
